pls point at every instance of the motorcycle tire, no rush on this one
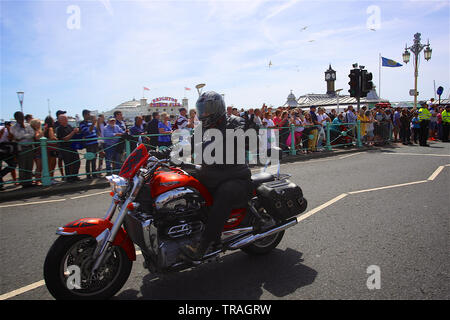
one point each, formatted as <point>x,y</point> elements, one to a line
<point>264,245</point>
<point>54,265</point>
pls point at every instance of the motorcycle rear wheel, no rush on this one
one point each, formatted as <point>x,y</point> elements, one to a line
<point>264,245</point>
<point>77,250</point>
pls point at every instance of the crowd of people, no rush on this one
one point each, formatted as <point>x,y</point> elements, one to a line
<point>306,131</point>
<point>378,125</point>
<point>20,143</point>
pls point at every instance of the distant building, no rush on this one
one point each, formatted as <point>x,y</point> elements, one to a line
<point>291,101</point>
<point>332,99</point>
<point>131,109</point>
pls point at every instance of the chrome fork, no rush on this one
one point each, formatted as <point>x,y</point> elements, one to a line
<point>105,239</point>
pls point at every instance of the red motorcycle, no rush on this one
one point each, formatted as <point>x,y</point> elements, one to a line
<point>162,208</point>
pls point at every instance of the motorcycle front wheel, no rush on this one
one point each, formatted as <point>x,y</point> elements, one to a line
<point>68,265</point>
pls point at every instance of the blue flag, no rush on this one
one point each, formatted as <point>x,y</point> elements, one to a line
<point>390,63</point>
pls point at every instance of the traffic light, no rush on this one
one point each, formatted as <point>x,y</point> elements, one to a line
<point>366,83</point>
<point>355,88</point>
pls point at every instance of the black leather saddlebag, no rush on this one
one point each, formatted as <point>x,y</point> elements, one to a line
<point>282,199</point>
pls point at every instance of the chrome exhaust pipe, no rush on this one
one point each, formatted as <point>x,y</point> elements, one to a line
<point>247,240</point>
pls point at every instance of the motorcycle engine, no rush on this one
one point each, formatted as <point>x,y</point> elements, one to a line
<point>177,219</point>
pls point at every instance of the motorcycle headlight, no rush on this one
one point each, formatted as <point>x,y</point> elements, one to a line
<point>118,184</point>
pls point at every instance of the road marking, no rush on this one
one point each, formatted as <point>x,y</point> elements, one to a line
<point>32,287</point>
<point>49,201</point>
<point>435,173</point>
<point>321,207</point>
<point>351,155</point>
<point>22,290</point>
<point>89,195</point>
<point>418,154</point>
<point>388,187</point>
<point>30,203</point>
<point>300,218</point>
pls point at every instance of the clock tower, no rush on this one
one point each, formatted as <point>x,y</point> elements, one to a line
<point>330,78</point>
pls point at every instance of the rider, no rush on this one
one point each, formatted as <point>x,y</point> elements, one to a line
<point>229,184</point>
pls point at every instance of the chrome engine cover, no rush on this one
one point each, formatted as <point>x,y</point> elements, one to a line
<point>179,200</point>
<point>162,246</point>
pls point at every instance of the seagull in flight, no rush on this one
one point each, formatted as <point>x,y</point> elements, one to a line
<point>304,28</point>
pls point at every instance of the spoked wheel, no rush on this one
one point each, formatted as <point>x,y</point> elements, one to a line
<point>68,265</point>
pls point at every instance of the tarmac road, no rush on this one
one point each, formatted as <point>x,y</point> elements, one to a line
<point>385,209</point>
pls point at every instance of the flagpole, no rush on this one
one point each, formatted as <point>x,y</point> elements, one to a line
<point>379,76</point>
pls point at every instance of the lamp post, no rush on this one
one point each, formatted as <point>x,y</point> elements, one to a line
<point>199,87</point>
<point>416,48</point>
<point>20,95</point>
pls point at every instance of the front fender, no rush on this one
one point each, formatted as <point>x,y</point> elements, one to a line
<point>95,226</point>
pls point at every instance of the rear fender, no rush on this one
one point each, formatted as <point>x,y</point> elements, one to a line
<point>95,226</point>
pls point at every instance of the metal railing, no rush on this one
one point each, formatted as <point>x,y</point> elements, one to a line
<point>333,136</point>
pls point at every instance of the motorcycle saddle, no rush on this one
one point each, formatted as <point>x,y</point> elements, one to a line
<point>261,177</point>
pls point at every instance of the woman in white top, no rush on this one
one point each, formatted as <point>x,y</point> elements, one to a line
<point>193,120</point>
<point>268,123</point>
<point>322,118</point>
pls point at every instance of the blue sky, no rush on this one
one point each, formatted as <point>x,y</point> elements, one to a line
<point>121,46</point>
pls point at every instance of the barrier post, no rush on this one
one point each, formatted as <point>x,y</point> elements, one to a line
<point>45,175</point>
<point>328,145</point>
<point>127,147</point>
<point>293,151</point>
<point>358,134</point>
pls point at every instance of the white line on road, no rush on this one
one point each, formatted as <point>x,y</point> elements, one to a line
<point>22,290</point>
<point>32,286</point>
<point>30,203</point>
<point>435,173</point>
<point>89,195</point>
<point>417,154</point>
<point>388,187</point>
<point>351,155</point>
<point>300,218</point>
<point>321,207</point>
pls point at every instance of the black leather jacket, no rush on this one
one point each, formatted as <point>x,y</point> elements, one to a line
<point>212,175</point>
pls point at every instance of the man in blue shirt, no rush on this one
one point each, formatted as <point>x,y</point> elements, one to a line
<point>120,148</point>
<point>111,154</point>
<point>137,130</point>
<point>88,129</point>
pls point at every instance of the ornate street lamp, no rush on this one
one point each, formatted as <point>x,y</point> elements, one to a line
<point>20,95</point>
<point>199,88</point>
<point>406,55</point>
<point>416,48</point>
<point>427,52</point>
